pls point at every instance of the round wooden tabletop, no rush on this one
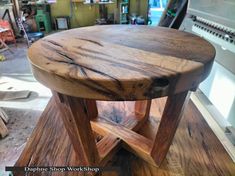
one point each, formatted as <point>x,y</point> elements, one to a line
<point>121,62</point>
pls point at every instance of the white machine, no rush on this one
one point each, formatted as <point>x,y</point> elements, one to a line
<point>215,21</point>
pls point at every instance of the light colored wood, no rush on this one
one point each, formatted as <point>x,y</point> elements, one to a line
<point>4,116</point>
<point>3,46</point>
<point>16,8</point>
<point>3,129</point>
<point>13,95</point>
<point>121,62</point>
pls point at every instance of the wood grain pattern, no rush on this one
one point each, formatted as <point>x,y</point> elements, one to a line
<point>170,119</point>
<point>107,148</point>
<point>75,115</point>
<point>89,64</point>
<point>153,151</point>
<point>43,147</point>
<point>3,129</point>
<point>195,149</point>
<point>4,116</point>
<point>132,139</point>
<point>121,62</point>
<point>110,144</point>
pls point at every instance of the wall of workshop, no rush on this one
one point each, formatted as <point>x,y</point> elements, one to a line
<point>139,7</point>
<point>80,14</point>
<point>85,15</point>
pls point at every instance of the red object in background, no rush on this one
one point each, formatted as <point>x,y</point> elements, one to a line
<point>8,35</point>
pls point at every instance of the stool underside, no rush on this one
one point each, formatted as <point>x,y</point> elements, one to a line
<point>49,145</point>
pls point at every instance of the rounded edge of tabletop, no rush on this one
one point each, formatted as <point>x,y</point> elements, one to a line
<point>37,70</point>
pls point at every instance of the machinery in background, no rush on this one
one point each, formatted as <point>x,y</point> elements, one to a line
<point>214,21</point>
<point>39,12</point>
<point>43,18</point>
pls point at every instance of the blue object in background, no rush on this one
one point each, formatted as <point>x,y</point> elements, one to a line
<point>155,17</point>
<point>155,11</point>
<point>34,36</point>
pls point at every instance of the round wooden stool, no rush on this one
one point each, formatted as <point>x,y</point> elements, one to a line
<point>112,63</point>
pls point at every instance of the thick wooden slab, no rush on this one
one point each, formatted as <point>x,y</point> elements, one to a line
<point>194,151</point>
<point>121,62</point>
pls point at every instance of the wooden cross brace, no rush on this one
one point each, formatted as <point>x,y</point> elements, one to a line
<point>81,118</point>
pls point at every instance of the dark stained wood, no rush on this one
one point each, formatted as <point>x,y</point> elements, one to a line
<point>170,119</point>
<point>121,62</point>
<point>195,149</point>
<point>74,113</point>
<point>92,109</point>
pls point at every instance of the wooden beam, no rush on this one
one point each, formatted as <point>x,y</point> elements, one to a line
<point>109,145</point>
<point>169,122</point>
<point>74,113</point>
<point>135,142</point>
<point>107,148</point>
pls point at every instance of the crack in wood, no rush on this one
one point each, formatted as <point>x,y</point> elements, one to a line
<point>62,53</point>
<point>94,85</point>
<point>91,41</point>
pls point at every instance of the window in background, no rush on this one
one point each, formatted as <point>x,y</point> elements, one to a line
<point>156,7</point>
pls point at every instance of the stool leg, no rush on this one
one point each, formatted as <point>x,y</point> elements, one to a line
<point>75,115</point>
<point>169,122</point>
<point>92,109</point>
<point>143,108</point>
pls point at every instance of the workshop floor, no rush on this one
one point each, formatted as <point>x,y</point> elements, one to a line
<point>15,74</point>
<point>195,150</point>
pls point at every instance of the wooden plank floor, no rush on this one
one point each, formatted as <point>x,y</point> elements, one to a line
<point>195,149</point>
